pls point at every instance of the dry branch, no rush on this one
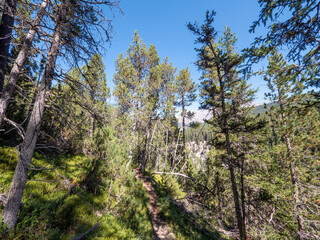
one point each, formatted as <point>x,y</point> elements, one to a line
<point>87,232</point>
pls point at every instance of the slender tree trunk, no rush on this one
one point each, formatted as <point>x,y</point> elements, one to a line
<point>17,65</point>
<point>145,152</point>
<point>11,210</point>
<point>134,130</point>
<point>243,205</point>
<point>184,130</point>
<point>91,133</point>
<point>294,178</point>
<point>237,203</point>
<point>220,206</point>
<point>235,191</point>
<point>294,181</point>
<point>166,156</point>
<point>150,144</point>
<point>173,165</point>
<point>6,27</point>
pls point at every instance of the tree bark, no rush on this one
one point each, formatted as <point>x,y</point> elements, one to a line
<point>241,226</point>
<point>10,212</point>
<point>243,204</point>
<point>219,195</point>
<point>294,181</point>
<point>184,129</point>
<point>145,151</point>
<point>17,65</point>
<point>294,178</point>
<point>6,27</point>
<point>237,203</point>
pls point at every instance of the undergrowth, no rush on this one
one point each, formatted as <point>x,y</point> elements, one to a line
<point>50,211</point>
<point>168,189</point>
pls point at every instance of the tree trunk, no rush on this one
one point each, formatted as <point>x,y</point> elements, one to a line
<point>243,205</point>
<point>237,203</point>
<point>17,65</point>
<point>294,181</point>
<point>294,178</point>
<point>219,195</point>
<point>184,129</point>
<point>239,216</point>
<point>10,212</point>
<point>7,21</point>
<point>145,152</point>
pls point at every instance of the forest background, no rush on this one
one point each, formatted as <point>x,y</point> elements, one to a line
<point>74,133</point>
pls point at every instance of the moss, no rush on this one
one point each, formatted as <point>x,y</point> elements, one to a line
<point>50,212</point>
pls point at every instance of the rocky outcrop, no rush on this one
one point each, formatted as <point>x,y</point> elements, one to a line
<point>198,152</point>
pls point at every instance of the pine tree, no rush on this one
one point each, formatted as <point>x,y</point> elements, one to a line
<point>97,92</point>
<point>83,12</point>
<point>186,95</point>
<point>228,97</point>
<point>20,60</point>
<point>137,91</point>
<point>286,91</point>
<point>298,31</point>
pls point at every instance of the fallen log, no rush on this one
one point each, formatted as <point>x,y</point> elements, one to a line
<point>87,232</point>
<point>191,219</point>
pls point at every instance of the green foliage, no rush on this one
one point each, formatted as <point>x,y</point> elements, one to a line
<point>170,185</point>
<point>146,92</point>
<point>51,212</point>
<point>178,220</point>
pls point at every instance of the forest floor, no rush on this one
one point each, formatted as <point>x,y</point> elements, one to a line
<point>161,228</point>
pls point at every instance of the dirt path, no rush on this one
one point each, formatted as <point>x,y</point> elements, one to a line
<point>160,228</point>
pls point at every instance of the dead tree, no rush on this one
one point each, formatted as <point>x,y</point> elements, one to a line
<point>62,42</point>
<point>18,63</point>
<point>10,212</point>
<point>6,26</point>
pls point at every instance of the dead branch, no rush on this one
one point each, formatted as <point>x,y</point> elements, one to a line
<point>40,180</point>
<point>185,176</point>
<point>17,126</point>
<point>87,232</point>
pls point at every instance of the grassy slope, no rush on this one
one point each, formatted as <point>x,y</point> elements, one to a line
<point>176,219</point>
<point>50,212</point>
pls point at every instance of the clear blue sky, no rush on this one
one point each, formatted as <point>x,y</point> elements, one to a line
<point>163,23</point>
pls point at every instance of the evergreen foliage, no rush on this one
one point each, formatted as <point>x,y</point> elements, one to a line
<point>244,173</point>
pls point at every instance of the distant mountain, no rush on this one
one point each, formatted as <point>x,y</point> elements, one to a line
<point>200,115</point>
<point>261,109</point>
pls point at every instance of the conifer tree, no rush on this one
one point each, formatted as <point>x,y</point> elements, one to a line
<point>286,86</point>
<point>297,30</point>
<point>95,85</point>
<point>186,95</point>
<point>136,90</point>
<point>228,97</point>
<point>67,13</point>
<point>20,60</point>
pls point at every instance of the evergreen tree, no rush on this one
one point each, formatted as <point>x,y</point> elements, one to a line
<point>228,97</point>
<point>97,92</point>
<point>24,53</point>
<point>67,10</point>
<point>186,95</point>
<point>286,90</point>
<point>298,30</point>
<point>140,79</point>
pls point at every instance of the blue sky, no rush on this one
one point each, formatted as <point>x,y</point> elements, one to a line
<point>163,23</point>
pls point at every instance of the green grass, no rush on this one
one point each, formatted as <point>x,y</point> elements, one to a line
<point>51,212</point>
<point>167,189</point>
